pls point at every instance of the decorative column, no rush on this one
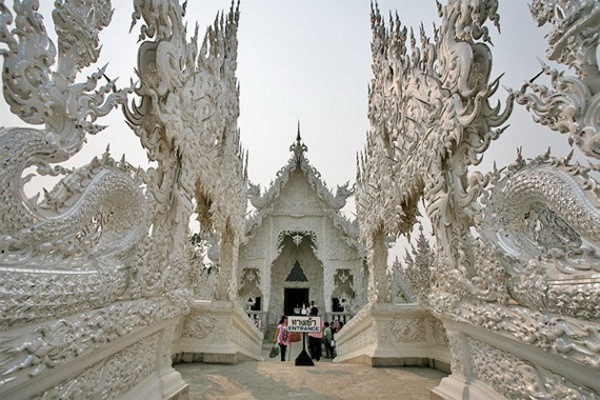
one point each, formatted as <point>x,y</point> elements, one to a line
<point>379,282</point>
<point>227,280</point>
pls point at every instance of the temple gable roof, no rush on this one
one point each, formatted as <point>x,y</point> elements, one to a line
<point>332,204</point>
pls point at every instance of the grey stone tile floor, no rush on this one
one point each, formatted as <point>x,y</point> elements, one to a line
<point>326,380</point>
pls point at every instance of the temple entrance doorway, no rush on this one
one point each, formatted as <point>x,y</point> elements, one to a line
<point>293,297</point>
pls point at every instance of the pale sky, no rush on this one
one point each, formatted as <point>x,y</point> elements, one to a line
<point>309,61</point>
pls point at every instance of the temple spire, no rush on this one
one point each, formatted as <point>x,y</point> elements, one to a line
<point>298,138</point>
<point>298,147</point>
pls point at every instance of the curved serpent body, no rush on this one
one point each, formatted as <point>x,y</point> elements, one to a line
<point>77,241</point>
<point>545,221</point>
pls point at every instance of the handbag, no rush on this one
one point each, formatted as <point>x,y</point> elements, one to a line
<point>332,343</point>
<point>274,350</point>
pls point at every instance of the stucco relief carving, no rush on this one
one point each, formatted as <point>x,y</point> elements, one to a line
<point>457,347</point>
<point>300,235</point>
<point>561,335</point>
<point>250,284</point>
<point>343,289</point>
<point>113,377</point>
<point>438,332</point>
<point>408,329</point>
<point>198,326</point>
<point>519,379</point>
<point>293,200</point>
<point>72,336</point>
<point>394,332</point>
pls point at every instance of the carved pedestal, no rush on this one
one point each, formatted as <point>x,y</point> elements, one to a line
<point>490,365</point>
<point>384,334</point>
<point>122,351</point>
<point>218,331</point>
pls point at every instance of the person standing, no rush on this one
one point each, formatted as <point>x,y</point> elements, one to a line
<point>335,325</point>
<point>282,337</point>
<point>315,338</point>
<point>313,308</point>
<point>327,338</point>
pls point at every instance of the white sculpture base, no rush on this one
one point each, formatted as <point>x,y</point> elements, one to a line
<point>123,350</point>
<point>487,364</point>
<point>217,331</point>
<point>456,387</point>
<point>385,335</point>
<point>169,385</point>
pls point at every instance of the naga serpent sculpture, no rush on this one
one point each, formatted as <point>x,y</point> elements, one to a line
<point>71,250</point>
<point>543,218</point>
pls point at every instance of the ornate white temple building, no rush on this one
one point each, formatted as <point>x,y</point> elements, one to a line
<point>300,248</point>
<point>100,287</point>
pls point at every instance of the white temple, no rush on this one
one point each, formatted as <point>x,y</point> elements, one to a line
<point>300,248</point>
<point>100,287</point>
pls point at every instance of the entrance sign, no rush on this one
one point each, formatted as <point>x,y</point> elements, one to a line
<point>304,324</point>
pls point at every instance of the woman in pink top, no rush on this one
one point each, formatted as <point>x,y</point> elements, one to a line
<point>282,337</point>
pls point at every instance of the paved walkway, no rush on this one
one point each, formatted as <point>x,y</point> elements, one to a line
<point>273,379</point>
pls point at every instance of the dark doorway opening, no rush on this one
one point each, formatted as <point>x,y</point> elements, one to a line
<point>257,302</point>
<point>293,298</point>
<point>336,305</point>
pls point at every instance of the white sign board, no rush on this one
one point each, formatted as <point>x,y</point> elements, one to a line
<point>304,324</point>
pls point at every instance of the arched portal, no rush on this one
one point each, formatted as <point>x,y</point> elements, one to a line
<point>296,275</point>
